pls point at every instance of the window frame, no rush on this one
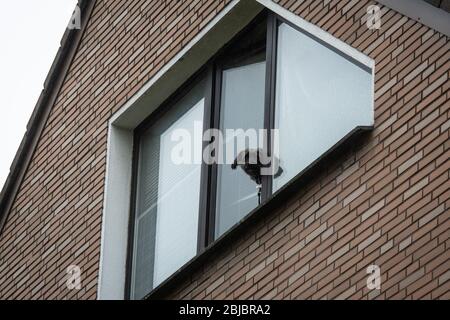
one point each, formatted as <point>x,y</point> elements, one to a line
<point>162,110</point>
<point>222,63</point>
<point>212,72</point>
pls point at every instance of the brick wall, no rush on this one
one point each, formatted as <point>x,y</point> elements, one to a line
<point>385,202</point>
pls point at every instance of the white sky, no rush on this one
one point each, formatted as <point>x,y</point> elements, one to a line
<point>30,32</point>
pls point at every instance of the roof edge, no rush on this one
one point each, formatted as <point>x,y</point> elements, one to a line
<point>52,85</point>
<point>423,12</point>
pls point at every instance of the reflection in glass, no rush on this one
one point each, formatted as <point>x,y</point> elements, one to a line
<point>321,96</point>
<point>242,107</point>
<point>167,207</point>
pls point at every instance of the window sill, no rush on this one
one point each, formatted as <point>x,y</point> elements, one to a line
<point>351,142</point>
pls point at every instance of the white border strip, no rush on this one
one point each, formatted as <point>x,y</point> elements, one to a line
<point>115,217</point>
<point>422,12</point>
<point>319,33</point>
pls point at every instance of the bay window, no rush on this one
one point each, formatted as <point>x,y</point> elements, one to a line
<point>272,76</point>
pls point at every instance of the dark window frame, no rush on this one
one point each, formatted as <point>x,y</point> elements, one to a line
<point>221,64</point>
<point>212,72</point>
<point>138,132</point>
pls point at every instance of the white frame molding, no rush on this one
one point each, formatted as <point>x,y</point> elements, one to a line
<point>219,31</point>
<point>423,12</point>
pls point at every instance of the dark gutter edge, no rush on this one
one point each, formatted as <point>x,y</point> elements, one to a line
<point>52,86</point>
<point>351,142</point>
<point>423,12</point>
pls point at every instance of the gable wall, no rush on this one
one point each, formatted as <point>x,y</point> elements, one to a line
<point>56,218</point>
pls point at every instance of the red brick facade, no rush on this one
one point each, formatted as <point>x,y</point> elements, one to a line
<point>386,203</point>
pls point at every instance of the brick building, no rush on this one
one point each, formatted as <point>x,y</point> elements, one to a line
<point>359,91</point>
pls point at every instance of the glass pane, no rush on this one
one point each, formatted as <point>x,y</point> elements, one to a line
<point>168,195</point>
<point>242,107</point>
<point>321,96</point>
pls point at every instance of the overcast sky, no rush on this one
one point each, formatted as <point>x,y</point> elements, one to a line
<point>30,32</point>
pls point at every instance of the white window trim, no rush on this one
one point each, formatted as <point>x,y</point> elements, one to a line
<point>115,220</point>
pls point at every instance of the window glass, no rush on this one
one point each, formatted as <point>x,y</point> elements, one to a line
<point>167,195</point>
<point>242,107</point>
<point>321,96</point>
